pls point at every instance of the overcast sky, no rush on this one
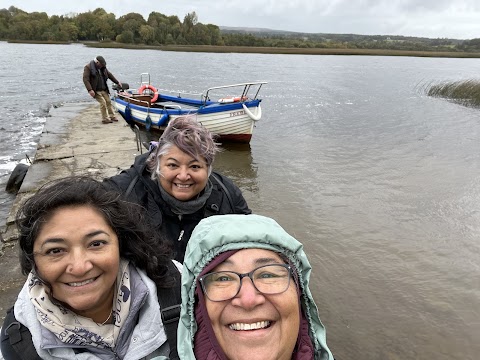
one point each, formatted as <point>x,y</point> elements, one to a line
<point>458,19</point>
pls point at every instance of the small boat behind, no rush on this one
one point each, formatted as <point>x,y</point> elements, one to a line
<point>232,118</point>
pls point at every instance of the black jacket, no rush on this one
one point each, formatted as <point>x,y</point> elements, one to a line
<point>146,192</point>
<point>91,78</point>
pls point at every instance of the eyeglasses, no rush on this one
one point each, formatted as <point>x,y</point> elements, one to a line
<point>267,279</point>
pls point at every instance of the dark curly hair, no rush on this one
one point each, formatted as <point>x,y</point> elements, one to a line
<point>137,242</point>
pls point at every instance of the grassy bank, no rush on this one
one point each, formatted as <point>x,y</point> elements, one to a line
<point>39,42</point>
<point>268,50</point>
<point>275,50</point>
<point>465,92</point>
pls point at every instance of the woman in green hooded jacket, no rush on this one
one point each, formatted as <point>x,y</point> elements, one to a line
<point>245,294</point>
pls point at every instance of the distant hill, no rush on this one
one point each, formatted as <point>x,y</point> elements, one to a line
<point>254,30</point>
<point>263,32</point>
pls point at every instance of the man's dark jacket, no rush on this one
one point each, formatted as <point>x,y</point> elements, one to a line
<point>146,192</point>
<point>91,78</point>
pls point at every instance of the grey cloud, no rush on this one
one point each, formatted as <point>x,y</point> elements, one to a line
<point>430,18</point>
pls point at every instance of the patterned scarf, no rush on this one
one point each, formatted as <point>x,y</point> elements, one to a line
<point>77,330</point>
<point>186,207</point>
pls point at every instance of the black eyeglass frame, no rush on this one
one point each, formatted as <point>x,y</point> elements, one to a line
<point>249,275</point>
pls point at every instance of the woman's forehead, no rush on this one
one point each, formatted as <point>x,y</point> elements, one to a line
<point>251,258</point>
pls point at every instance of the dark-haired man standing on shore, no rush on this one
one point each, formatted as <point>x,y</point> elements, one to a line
<point>95,76</point>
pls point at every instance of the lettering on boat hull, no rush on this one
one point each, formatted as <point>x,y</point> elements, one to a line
<point>237,113</point>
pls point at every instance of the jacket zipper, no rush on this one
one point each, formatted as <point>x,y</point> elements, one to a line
<point>181,235</point>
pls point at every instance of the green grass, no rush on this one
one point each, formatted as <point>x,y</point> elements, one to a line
<point>39,42</point>
<point>464,92</point>
<point>266,50</point>
<point>276,50</point>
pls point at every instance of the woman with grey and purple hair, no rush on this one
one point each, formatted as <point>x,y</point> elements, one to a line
<point>176,183</point>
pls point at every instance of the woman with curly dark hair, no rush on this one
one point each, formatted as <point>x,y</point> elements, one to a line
<point>93,272</point>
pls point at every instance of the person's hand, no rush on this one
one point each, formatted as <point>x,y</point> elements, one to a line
<point>92,93</point>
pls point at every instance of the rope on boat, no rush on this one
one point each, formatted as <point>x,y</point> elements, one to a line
<point>256,117</point>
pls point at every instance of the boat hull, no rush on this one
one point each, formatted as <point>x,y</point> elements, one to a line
<point>232,122</point>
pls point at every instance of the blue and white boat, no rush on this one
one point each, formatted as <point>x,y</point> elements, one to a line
<point>232,118</point>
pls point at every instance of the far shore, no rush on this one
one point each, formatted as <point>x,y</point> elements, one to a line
<point>294,51</point>
<point>274,50</point>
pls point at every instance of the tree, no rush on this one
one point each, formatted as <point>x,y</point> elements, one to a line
<point>198,35</point>
<point>104,25</point>
<point>169,40</point>
<point>147,34</point>
<point>5,18</point>
<point>214,34</point>
<point>189,21</point>
<point>19,27</point>
<point>70,30</point>
<point>180,40</point>
<point>125,37</point>
<point>176,29</point>
<point>84,23</point>
<point>131,22</point>
<point>160,24</point>
<point>156,18</point>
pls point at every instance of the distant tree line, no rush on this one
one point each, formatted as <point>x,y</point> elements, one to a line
<point>160,29</point>
<point>98,25</point>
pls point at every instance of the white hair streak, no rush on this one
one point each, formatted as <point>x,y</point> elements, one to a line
<point>157,170</point>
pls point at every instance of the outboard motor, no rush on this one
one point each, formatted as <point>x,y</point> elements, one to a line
<point>122,88</point>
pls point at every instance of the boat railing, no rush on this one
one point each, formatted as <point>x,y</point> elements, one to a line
<point>245,91</point>
<point>179,94</point>
<point>144,79</point>
<point>247,87</point>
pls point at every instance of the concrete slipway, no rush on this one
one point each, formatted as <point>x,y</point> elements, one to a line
<point>73,142</point>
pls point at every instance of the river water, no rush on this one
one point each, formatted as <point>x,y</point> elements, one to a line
<point>380,182</point>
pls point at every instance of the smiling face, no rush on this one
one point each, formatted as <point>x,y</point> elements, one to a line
<point>77,253</point>
<point>181,175</point>
<point>272,320</point>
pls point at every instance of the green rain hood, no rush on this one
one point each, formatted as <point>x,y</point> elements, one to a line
<point>217,234</point>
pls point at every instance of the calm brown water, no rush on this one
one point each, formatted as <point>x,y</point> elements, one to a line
<point>380,182</point>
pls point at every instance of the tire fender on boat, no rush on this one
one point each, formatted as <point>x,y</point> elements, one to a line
<point>152,88</point>
<point>256,117</point>
<point>16,178</point>
<point>163,120</point>
<point>128,115</point>
<point>148,122</point>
